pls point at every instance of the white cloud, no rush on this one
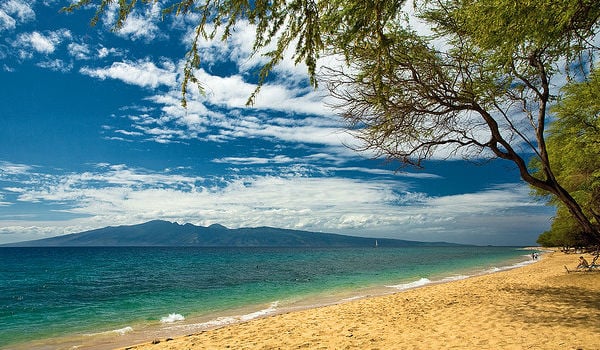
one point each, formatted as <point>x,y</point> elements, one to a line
<point>229,93</point>
<point>79,51</point>
<point>8,168</point>
<point>141,73</point>
<point>140,24</point>
<point>20,9</point>
<point>387,172</point>
<point>121,195</point>
<point>233,92</point>
<point>103,52</point>
<point>239,50</point>
<point>125,195</point>
<point>139,27</point>
<point>39,42</point>
<point>254,160</point>
<point>13,12</point>
<point>307,119</point>
<point>56,65</point>
<point>250,127</point>
<point>44,43</point>
<point>6,21</point>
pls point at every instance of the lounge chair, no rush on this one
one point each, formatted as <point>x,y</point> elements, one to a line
<point>594,266</point>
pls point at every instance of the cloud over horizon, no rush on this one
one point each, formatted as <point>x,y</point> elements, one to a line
<point>118,195</point>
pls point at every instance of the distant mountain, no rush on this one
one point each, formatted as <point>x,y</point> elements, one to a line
<point>164,233</point>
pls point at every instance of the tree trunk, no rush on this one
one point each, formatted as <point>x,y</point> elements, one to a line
<point>589,229</point>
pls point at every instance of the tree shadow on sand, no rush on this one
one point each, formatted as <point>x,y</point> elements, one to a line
<point>566,305</point>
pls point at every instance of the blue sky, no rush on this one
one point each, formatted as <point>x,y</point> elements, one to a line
<point>93,134</point>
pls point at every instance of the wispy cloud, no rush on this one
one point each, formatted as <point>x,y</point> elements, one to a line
<point>239,50</point>
<point>8,168</point>
<point>143,73</point>
<point>141,23</point>
<point>372,171</point>
<point>79,51</point>
<point>40,42</point>
<point>221,114</point>
<point>117,194</point>
<point>103,52</point>
<point>6,21</point>
<point>233,92</point>
<point>13,12</point>
<point>254,160</point>
<point>57,65</point>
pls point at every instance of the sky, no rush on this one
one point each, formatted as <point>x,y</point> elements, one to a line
<point>93,134</point>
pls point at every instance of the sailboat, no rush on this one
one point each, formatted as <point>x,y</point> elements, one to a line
<point>376,244</point>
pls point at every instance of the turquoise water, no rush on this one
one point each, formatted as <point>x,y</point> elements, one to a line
<point>53,293</point>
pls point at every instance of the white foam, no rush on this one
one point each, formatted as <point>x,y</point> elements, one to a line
<point>271,309</point>
<point>424,281</point>
<point>172,318</point>
<point>120,331</point>
<point>228,320</point>
<point>123,331</point>
<point>354,298</point>
<point>495,269</point>
<point>218,322</point>
<point>510,267</point>
<point>415,284</point>
<point>454,278</point>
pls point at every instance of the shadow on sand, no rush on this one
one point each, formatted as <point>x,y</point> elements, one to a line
<point>566,305</point>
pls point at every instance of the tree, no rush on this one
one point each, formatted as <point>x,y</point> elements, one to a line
<point>480,85</point>
<point>564,232</point>
<point>573,144</point>
<point>483,82</point>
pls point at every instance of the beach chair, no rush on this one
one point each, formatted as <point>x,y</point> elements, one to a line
<point>593,266</point>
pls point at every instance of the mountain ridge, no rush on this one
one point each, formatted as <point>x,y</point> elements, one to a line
<point>171,234</point>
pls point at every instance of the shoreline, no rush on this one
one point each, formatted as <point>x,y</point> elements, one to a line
<point>516,308</point>
<point>126,333</point>
<point>249,313</point>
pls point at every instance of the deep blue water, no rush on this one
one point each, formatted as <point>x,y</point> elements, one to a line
<point>51,293</point>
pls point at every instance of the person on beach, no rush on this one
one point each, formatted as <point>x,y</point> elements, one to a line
<point>583,264</point>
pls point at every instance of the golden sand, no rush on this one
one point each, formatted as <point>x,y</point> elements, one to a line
<point>539,306</point>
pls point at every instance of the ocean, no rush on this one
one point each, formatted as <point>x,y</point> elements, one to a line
<point>100,298</point>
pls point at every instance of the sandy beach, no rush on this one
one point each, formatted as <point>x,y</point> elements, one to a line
<point>539,306</point>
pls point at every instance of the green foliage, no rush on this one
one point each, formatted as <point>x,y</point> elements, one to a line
<point>564,232</point>
<point>516,29</point>
<point>573,144</point>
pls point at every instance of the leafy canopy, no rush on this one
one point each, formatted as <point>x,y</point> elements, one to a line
<point>574,150</point>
